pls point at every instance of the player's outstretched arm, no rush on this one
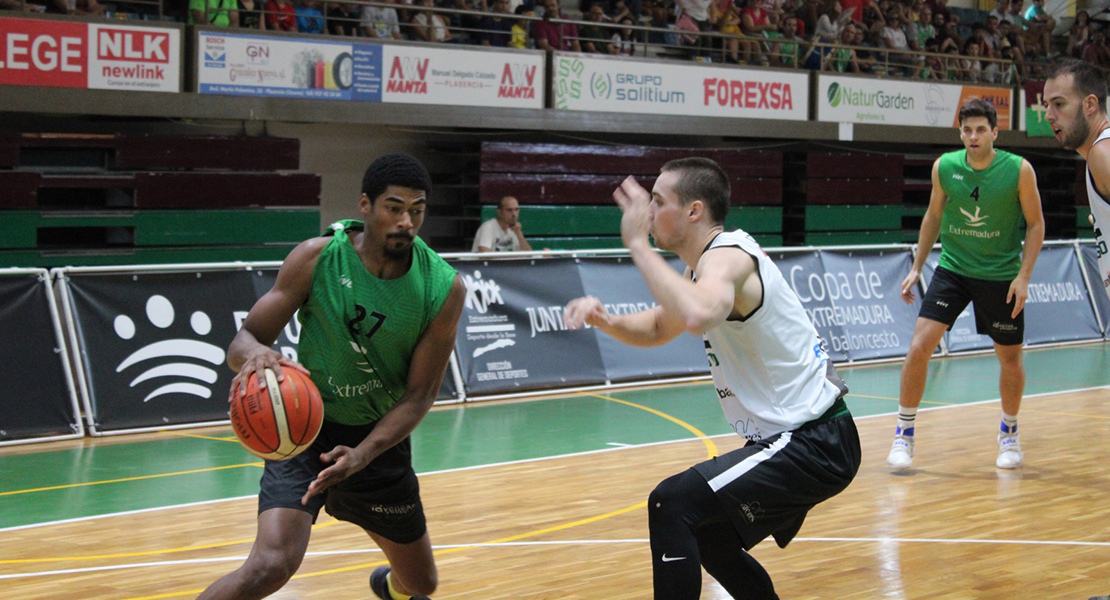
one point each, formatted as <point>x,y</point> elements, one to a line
<point>250,350</point>
<point>1030,199</point>
<point>652,327</point>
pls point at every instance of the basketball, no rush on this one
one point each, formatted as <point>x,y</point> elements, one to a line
<point>276,421</point>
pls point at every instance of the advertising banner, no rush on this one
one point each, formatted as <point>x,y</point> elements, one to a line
<point>1058,308</point>
<point>153,345</point>
<point>903,102</point>
<point>511,334</point>
<point>617,283</point>
<point>255,65</point>
<point>854,300</point>
<point>633,86</point>
<point>1098,292</point>
<point>866,295</point>
<point>459,77</point>
<point>1033,122</point>
<point>89,55</point>
<point>35,400</point>
<point>805,273</point>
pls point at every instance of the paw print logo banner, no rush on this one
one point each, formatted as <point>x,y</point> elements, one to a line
<point>153,345</point>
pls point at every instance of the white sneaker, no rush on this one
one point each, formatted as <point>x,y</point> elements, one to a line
<point>901,452</point>
<point>1009,451</point>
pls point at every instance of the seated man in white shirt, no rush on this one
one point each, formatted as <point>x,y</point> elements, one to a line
<point>504,233</point>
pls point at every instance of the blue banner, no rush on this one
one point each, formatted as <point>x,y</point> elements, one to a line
<point>619,285</point>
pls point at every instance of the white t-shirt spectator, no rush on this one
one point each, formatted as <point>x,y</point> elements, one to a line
<point>439,29</point>
<point>896,36</point>
<point>490,235</point>
<point>697,9</point>
<point>1001,16</point>
<point>382,20</point>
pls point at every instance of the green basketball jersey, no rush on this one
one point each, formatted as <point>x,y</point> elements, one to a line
<point>358,332</point>
<point>982,227</point>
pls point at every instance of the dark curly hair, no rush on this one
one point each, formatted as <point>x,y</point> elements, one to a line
<point>398,169</point>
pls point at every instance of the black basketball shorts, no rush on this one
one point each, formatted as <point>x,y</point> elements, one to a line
<point>768,486</point>
<point>949,294</point>
<point>383,498</point>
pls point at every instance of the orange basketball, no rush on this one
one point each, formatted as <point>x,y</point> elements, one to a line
<point>278,421</point>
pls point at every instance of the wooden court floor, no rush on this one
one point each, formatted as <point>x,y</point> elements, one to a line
<point>573,526</point>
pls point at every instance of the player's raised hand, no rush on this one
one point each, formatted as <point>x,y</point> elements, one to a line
<point>587,310</point>
<point>908,285</point>
<point>635,203</point>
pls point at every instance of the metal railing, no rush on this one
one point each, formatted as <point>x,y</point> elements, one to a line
<point>464,26</point>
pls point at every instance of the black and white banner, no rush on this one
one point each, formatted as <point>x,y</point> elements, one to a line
<point>35,399</point>
<point>511,334</point>
<point>854,300</point>
<point>153,344</point>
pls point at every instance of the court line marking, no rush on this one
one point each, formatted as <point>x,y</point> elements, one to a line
<point>197,435</point>
<point>24,561</point>
<point>455,547</point>
<point>705,439</point>
<point>123,479</point>
<point>711,448</point>
<point>526,460</point>
<point>978,403</point>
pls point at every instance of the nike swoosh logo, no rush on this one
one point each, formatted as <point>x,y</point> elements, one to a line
<point>672,558</point>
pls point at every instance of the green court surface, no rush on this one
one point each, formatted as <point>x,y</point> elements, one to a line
<point>183,467</point>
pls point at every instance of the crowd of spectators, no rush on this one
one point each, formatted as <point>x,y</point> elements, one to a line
<point>911,38</point>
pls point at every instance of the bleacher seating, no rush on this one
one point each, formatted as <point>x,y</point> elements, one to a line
<point>844,198</point>
<point>136,199</point>
<point>565,191</point>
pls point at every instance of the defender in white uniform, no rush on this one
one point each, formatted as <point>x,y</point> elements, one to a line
<point>1075,97</point>
<point>776,384</point>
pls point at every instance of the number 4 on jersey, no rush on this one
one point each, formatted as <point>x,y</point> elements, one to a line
<point>975,194</point>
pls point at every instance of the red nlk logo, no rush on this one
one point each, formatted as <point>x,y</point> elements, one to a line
<point>132,45</point>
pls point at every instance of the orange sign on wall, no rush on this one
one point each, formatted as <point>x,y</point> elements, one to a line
<point>1000,98</point>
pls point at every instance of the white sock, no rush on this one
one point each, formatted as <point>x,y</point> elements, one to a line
<point>906,417</point>
<point>1009,424</point>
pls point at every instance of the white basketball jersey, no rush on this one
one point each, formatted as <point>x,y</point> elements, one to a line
<point>1100,209</point>
<point>769,369</point>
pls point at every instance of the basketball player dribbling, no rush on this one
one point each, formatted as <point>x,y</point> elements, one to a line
<point>378,311</point>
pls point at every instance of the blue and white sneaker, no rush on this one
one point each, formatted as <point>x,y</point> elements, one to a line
<point>901,453</point>
<point>1009,451</point>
